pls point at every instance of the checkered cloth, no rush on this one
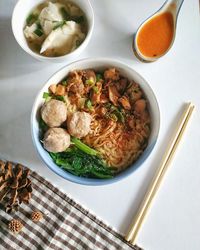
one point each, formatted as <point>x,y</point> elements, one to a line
<point>66,225</point>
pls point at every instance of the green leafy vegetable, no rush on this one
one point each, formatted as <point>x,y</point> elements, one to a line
<point>31,18</point>
<point>38,32</point>
<point>79,163</point>
<point>82,146</point>
<point>42,125</point>
<point>42,128</point>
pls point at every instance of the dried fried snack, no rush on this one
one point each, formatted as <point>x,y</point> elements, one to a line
<point>15,186</point>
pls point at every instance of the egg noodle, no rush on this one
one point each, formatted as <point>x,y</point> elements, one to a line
<point>120,143</point>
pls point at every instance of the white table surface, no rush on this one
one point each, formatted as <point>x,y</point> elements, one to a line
<point>174,220</point>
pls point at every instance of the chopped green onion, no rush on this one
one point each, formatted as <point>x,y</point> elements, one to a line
<point>129,85</point>
<point>89,81</point>
<point>96,90</point>
<point>38,25</point>
<point>113,117</point>
<point>82,146</point>
<point>113,108</point>
<point>59,24</point>
<point>64,83</point>
<point>31,18</point>
<point>38,32</point>
<point>99,77</point>
<point>46,95</point>
<point>120,116</point>
<point>117,112</point>
<point>108,105</point>
<point>60,98</point>
<point>89,104</point>
<point>78,19</point>
<point>64,14</point>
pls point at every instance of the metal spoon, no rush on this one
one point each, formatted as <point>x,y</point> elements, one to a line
<point>172,6</point>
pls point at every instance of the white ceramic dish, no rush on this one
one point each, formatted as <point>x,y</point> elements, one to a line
<point>23,9</point>
<point>98,64</point>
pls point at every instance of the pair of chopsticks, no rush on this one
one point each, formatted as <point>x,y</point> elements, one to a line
<point>154,186</point>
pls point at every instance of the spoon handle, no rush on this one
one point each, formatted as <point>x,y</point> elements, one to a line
<point>175,4</point>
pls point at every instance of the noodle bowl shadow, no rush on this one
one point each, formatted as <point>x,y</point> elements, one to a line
<point>97,64</point>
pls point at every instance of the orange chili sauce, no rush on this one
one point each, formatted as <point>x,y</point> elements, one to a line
<point>156,35</point>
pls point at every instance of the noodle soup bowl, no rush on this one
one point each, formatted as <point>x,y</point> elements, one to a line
<point>23,9</point>
<point>96,64</point>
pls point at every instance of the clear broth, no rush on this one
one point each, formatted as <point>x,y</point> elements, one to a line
<point>35,46</point>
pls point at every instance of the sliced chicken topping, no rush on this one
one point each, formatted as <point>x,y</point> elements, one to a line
<point>111,74</point>
<point>140,106</point>
<point>113,94</point>
<point>103,98</point>
<point>121,85</point>
<point>134,92</point>
<point>60,90</point>
<point>90,75</point>
<point>75,83</point>
<point>52,88</point>
<point>124,101</point>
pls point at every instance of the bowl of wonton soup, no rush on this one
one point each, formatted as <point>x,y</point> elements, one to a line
<point>24,9</point>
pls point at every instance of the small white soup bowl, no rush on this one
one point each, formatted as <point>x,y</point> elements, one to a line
<point>96,64</point>
<point>22,10</point>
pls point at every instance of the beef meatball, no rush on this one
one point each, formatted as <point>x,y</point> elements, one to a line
<point>54,113</point>
<point>56,140</point>
<point>79,124</point>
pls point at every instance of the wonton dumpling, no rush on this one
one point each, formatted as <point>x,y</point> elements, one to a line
<point>47,26</point>
<point>63,39</point>
<point>49,15</point>
<point>30,35</point>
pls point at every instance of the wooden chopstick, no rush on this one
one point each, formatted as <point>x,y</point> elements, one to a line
<point>155,184</point>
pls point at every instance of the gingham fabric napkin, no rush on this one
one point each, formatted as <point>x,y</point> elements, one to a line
<point>66,225</point>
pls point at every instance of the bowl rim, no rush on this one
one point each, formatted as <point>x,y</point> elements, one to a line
<point>26,48</point>
<point>92,181</point>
